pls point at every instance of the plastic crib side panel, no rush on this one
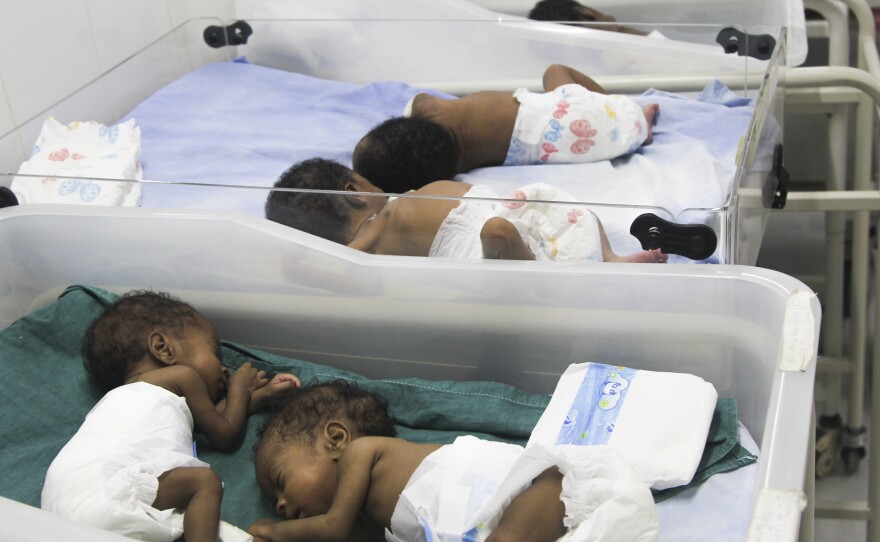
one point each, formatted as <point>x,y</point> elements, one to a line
<point>277,289</point>
<point>761,182</point>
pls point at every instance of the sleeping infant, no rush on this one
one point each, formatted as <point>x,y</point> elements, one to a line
<point>434,221</point>
<point>327,483</point>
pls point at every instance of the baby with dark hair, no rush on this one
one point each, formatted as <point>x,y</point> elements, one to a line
<point>573,121</point>
<point>330,461</point>
<point>131,467</point>
<point>307,206</point>
<point>443,218</point>
<point>431,154</point>
<point>575,13</point>
<point>301,412</point>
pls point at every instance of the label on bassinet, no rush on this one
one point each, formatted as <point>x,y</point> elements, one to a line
<point>596,406</point>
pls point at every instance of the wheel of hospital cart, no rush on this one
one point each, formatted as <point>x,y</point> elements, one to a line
<point>852,458</point>
<point>853,448</point>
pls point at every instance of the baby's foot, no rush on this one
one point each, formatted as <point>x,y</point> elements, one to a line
<point>650,112</point>
<point>645,256</point>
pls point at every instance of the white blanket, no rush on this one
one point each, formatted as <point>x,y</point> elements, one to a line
<point>658,421</point>
<point>271,119</point>
<point>68,161</point>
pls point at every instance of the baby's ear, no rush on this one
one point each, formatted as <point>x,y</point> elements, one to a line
<point>336,437</point>
<point>355,200</point>
<point>161,348</point>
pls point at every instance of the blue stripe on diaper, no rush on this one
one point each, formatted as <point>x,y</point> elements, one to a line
<point>596,406</point>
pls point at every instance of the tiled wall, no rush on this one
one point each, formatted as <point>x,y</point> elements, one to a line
<point>49,48</point>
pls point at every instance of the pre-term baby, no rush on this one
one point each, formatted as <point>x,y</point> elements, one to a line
<point>331,480</point>
<point>434,221</point>
<point>574,120</point>
<point>131,467</point>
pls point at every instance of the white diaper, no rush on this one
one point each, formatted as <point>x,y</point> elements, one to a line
<point>68,161</point>
<point>552,228</point>
<point>460,491</point>
<point>407,109</point>
<point>574,125</point>
<point>107,474</point>
<point>459,234</point>
<point>657,421</point>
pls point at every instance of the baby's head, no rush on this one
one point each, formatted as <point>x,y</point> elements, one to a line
<point>302,414</point>
<point>566,10</point>
<point>298,445</point>
<point>324,215</point>
<point>406,153</point>
<point>125,334</point>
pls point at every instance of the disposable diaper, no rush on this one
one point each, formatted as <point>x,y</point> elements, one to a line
<point>551,225</point>
<point>68,162</point>
<point>658,421</point>
<point>460,492</point>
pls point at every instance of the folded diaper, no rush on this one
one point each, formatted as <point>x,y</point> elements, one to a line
<point>658,421</point>
<point>68,160</point>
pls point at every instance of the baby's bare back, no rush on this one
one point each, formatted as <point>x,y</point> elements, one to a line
<point>397,461</point>
<point>481,122</point>
<point>408,225</point>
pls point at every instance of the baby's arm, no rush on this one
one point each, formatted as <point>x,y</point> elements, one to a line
<point>224,427</point>
<point>355,470</point>
<point>280,383</point>
<point>502,241</point>
<point>557,75</point>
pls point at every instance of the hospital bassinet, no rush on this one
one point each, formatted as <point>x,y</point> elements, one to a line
<point>729,183</point>
<point>751,332</point>
<point>287,292</point>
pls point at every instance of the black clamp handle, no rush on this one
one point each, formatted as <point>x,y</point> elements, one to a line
<point>775,194</point>
<point>694,241</point>
<point>236,33</point>
<point>7,197</point>
<point>758,46</point>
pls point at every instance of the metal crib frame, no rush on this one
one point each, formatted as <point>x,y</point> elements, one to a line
<point>835,89</point>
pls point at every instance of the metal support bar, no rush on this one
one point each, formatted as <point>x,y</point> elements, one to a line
<point>850,200</point>
<point>858,510</point>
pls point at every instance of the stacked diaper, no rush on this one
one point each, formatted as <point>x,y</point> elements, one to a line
<point>68,162</point>
<point>657,421</point>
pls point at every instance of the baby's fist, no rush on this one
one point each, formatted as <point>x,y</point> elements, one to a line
<point>279,384</point>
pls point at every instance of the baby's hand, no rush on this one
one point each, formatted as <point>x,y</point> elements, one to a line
<point>279,384</point>
<point>260,528</point>
<point>248,378</point>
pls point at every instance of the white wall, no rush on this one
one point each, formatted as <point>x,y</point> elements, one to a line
<point>49,48</point>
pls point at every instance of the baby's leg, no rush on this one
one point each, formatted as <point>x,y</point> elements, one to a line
<point>198,492</point>
<point>645,256</point>
<point>501,241</point>
<point>536,514</point>
<point>650,112</point>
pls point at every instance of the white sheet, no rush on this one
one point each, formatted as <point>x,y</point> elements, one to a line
<point>234,123</point>
<point>694,513</point>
